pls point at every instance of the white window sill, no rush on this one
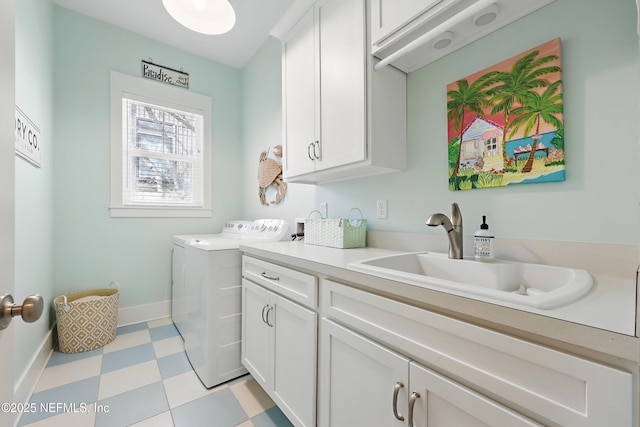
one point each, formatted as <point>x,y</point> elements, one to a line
<point>155,212</point>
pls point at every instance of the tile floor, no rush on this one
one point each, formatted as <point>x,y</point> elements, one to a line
<point>143,379</point>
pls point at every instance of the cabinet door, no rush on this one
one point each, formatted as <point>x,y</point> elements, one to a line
<point>357,380</point>
<point>342,82</point>
<point>256,333</point>
<point>442,402</point>
<point>295,349</point>
<point>299,93</point>
<point>389,15</point>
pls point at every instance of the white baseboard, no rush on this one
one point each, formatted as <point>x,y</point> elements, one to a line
<point>144,313</point>
<point>23,389</point>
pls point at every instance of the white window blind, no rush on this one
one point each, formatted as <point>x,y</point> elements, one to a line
<point>163,159</point>
<point>161,162</point>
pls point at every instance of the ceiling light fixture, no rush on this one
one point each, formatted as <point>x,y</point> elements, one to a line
<point>211,17</point>
<point>443,41</point>
<point>486,16</point>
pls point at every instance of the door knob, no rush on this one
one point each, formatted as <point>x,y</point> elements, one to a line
<point>30,310</point>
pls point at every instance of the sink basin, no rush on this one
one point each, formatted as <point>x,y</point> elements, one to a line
<point>534,285</point>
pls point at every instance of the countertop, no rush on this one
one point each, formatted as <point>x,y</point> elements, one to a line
<point>602,322</point>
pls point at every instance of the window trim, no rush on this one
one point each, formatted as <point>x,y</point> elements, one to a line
<point>145,90</point>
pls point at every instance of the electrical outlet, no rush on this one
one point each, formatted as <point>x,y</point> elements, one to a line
<point>381,209</point>
<point>324,210</point>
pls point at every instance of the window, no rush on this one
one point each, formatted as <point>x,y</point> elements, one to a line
<point>160,150</point>
<point>491,145</point>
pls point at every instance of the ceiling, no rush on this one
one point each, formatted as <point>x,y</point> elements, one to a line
<point>255,21</point>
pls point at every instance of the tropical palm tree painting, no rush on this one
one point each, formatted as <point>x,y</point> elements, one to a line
<point>506,122</point>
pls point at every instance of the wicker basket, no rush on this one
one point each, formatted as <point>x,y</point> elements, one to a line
<point>340,233</point>
<point>86,319</point>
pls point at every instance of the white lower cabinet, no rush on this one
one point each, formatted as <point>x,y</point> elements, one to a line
<point>374,361</point>
<point>279,348</point>
<point>257,339</point>
<point>365,383</point>
<point>438,401</point>
<point>357,379</point>
<point>450,373</point>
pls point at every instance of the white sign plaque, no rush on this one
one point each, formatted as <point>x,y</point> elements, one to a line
<point>165,74</point>
<point>27,138</point>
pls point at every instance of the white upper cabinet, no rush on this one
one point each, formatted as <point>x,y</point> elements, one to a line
<point>410,34</point>
<point>343,57</point>
<point>299,97</point>
<point>341,118</point>
<point>389,15</point>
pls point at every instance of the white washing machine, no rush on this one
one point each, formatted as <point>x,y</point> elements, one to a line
<point>232,230</point>
<point>206,300</point>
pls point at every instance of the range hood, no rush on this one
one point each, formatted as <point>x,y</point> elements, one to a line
<point>447,25</point>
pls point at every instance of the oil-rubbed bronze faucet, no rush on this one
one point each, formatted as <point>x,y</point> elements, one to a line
<point>453,227</point>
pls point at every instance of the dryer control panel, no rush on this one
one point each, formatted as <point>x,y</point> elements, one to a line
<point>271,230</point>
<point>235,228</point>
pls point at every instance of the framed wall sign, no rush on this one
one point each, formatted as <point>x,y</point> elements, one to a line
<point>28,139</point>
<point>164,74</point>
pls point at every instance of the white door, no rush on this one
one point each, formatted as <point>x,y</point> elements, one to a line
<point>7,178</point>
<point>361,382</point>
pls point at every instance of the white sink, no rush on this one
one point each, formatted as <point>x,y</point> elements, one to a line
<point>534,285</point>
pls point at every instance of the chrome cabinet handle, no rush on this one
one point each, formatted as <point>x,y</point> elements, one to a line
<point>266,276</point>
<point>316,151</point>
<point>396,390</point>
<point>267,317</point>
<point>316,145</point>
<point>266,309</point>
<point>412,401</point>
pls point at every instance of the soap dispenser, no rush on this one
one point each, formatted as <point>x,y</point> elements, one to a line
<point>483,242</point>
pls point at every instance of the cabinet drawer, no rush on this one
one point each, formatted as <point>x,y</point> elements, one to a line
<point>535,380</point>
<point>299,287</point>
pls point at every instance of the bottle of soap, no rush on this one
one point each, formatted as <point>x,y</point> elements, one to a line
<point>483,242</point>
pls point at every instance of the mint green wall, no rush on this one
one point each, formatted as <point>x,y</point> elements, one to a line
<point>34,186</point>
<point>262,125</point>
<point>600,73</point>
<point>600,84</point>
<point>93,249</point>
<point>599,200</point>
